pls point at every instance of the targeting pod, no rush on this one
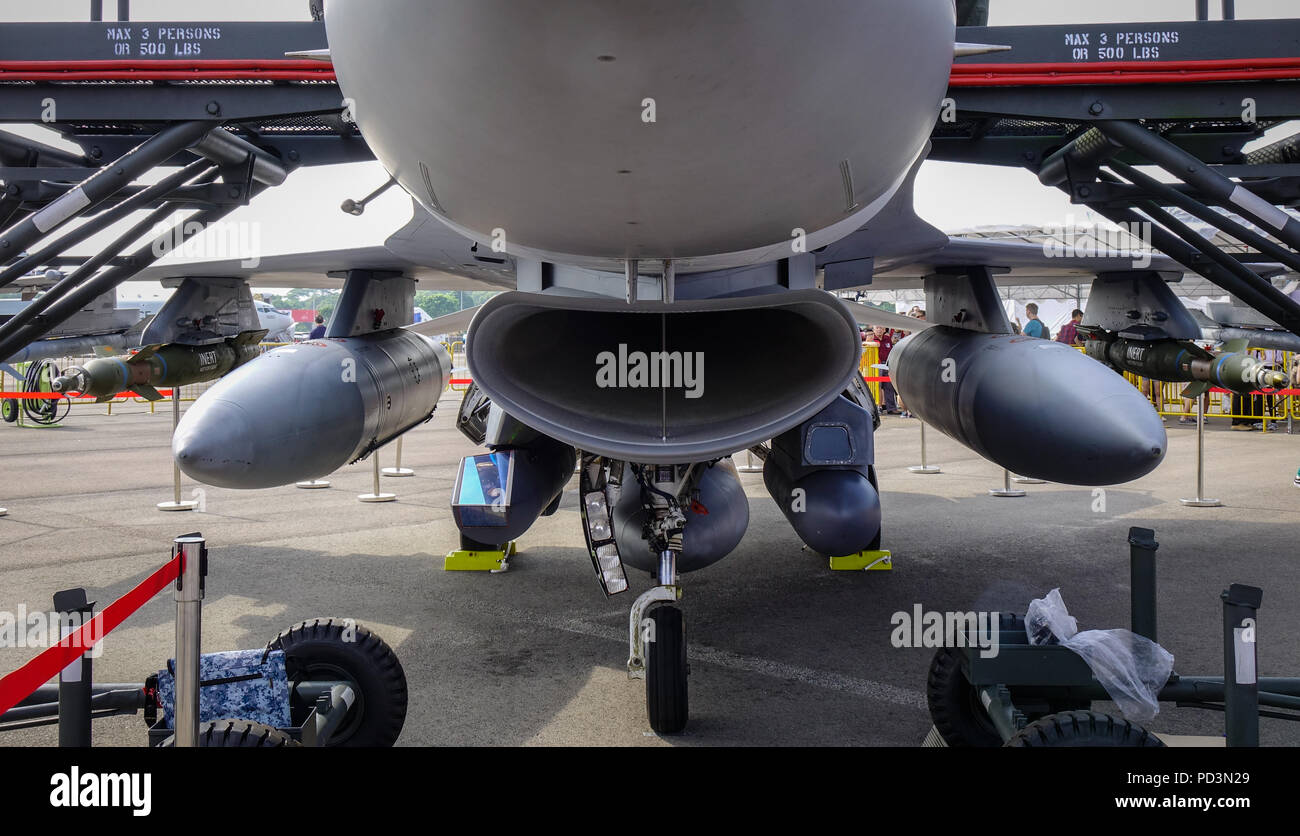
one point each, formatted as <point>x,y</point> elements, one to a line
<point>821,475</point>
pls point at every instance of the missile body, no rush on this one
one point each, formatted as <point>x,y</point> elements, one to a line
<point>158,365</point>
<point>1037,407</point>
<point>303,411</point>
<point>70,347</point>
<point>1186,362</point>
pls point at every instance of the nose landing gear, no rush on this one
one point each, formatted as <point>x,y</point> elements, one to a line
<point>656,626</point>
<point>656,631</point>
<point>657,640</point>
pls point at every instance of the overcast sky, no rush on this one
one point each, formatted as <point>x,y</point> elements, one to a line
<point>304,214</point>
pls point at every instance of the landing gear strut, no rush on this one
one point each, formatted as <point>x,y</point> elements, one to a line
<point>656,631</point>
<point>656,625</point>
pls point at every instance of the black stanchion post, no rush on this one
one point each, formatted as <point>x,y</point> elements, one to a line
<point>1142,581</point>
<point>1240,682</point>
<point>74,680</point>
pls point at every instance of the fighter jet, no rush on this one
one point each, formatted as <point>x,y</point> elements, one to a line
<point>658,184</point>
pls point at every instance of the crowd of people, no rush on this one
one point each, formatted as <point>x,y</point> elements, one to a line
<point>883,340</point>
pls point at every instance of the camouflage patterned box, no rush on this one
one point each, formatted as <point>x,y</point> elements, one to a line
<point>237,684</point>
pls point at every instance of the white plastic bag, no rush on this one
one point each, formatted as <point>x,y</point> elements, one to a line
<point>1130,667</point>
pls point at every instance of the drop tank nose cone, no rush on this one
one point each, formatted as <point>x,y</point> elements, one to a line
<point>214,445</point>
<point>1036,407</point>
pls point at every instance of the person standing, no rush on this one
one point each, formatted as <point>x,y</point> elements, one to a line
<point>1070,331</point>
<point>319,331</point>
<point>883,339</point>
<point>1035,327</point>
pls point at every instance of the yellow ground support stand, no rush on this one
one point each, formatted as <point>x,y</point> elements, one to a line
<point>460,560</point>
<point>873,561</point>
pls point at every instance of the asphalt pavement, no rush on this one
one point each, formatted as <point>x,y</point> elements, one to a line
<point>782,650</point>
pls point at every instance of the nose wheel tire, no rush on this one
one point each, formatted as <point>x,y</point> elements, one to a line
<point>666,671</point>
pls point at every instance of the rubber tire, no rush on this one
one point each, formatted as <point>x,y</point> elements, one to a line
<point>317,649</point>
<point>954,704</point>
<point>238,734</point>
<point>666,695</point>
<point>1083,729</point>
<point>9,410</point>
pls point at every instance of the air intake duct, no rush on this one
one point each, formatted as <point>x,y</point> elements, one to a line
<point>663,383</point>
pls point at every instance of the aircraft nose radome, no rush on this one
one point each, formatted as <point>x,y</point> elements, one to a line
<point>214,445</point>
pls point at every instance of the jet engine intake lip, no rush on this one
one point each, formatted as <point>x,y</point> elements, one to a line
<point>765,364</point>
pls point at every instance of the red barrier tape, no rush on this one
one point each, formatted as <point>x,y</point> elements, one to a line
<point>55,396</point>
<point>18,685</point>
<point>1281,393</point>
<point>166,393</point>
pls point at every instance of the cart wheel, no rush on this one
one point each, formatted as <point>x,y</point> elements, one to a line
<point>666,670</point>
<point>9,410</point>
<point>238,734</point>
<point>1083,729</point>
<point>1053,706</point>
<point>955,706</point>
<point>344,651</point>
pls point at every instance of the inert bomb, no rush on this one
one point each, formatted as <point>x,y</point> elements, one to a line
<point>158,365</point>
<point>1180,361</point>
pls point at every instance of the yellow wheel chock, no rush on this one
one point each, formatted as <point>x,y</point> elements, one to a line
<point>869,561</point>
<point>460,560</point>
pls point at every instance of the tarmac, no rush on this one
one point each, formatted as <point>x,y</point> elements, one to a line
<point>783,651</point>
